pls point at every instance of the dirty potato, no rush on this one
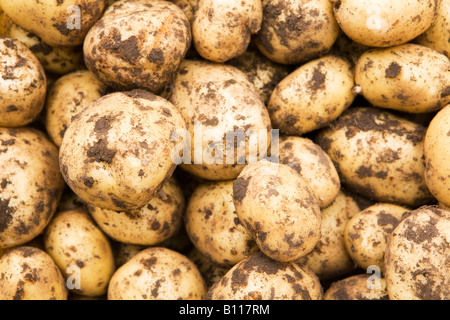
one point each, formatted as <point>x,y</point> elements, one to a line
<point>358,287</point>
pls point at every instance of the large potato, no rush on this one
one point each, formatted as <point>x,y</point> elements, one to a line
<point>410,78</point>
<point>117,152</point>
<point>384,23</point>
<point>378,155</point>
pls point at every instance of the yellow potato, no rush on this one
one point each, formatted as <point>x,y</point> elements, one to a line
<point>358,287</point>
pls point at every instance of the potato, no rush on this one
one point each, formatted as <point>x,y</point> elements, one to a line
<point>312,96</point>
<point>293,32</point>
<point>221,30</point>
<point>384,23</point>
<point>30,274</point>
<point>347,48</point>
<point>157,274</point>
<point>313,164</point>
<point>123,252</point>
<point>417,254</point>
<point>70,95</point>
<point>366,233</point>
<point>81,251</point>
<point>210,271</point>
<point>138,44</point>
<point>330,259</point>
<point>264,73</point>
<point>60,24</point>
<point>155,222</point>
<point>117,152</point>
<point>224,114</point>
<point>30,184</point>
<point>437,151</point>
<point>69,201</point>
<point>188,6</point>
<point>214,227</point>
<point>279,209</point>
<point>260,278</point>
<point>23,84</point>
<point>356,287</point>
<point>179,242</point>
<point>443,207</point>
<point>378,155</point>
<point>410,78</point>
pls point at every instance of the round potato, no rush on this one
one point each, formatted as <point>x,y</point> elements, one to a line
<point>358,287</point>
<point>260,278</point>
<point>70,95</point>
<point>157,274</point>
<point>221,30</point>
<point>138,44</point>
<point>60,24</point>
<point>279,209</point>
<point>81,251</point>
<point>330,259</point>
<point>214,227</point>
<point>210,271</point>
<point>313,164</point>
<point>312,96</point>
<point>29,273</point>
<point>417,254</point>
<point>155,222</point>
<point>367,232</point>
<point>384,23</point>
<point>117,152</point>
<point>30,184</point>
<point>23,84</point>
<point>410,78</point>
<point>437,152</point>
<point>293,32</point>
<point>378,155</point>
<point>227,121</point>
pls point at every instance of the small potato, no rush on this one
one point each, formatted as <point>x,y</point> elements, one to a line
<point>358,287</point>
<point>366,233</point>
<point>330,259</point>
<point>29,273</point>
<point>437,153</point>
<point>224,114</point>
<point>30,184</point>
<point>157,274</point>
<point>123,252</point>
<point>410,78</point>
<point>23,84</point>
<point>384,23</point>
<point>58,24</point>
<point>209,270</point>
<point>69,201</point>
<point>313,164</point>
<point>81,251</point>
<point>155,222</point>
<point>222,29</point>
<point>214,227</point>
<point>260,278</point>
<point>378,155</point>
<point>312,96</point>
<point>138,44</point>
<point>188,6</point>
<point>70,95</point>
<point>293,32</point>
<point>279,209</point>
<point>117,152</point>
<point>417,256</point>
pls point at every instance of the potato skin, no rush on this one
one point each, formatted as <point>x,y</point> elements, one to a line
<point>437,151</point>
<point>157,274</point>
<point>29,273</point>
<point>356,288</point>
<point>312,96</point>
<point>142,45</point>
<point>293,32</point>
<point>417,256</point>
<point>30,184</point>
<point>73,240</point>
<point>279,209</point>
<point>260,278</point>
<point>410,78</point>
<point>123,149</point>
<point>23,84</point>
<point>378,155</point>
<point>384,23</point>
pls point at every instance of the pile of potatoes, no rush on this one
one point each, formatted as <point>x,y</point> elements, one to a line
<point>119,180</point>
